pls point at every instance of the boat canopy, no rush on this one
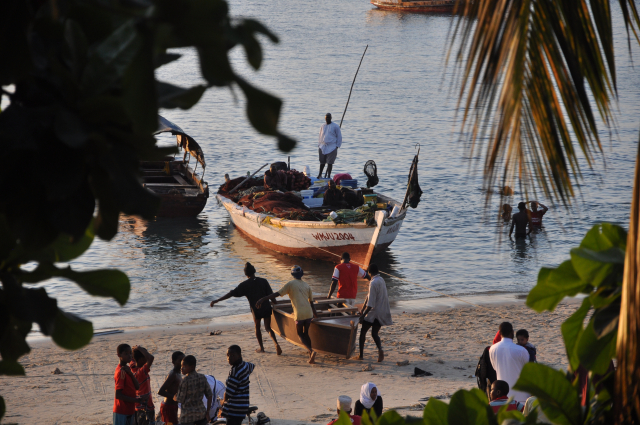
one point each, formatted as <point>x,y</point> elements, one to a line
<point>185,141</point>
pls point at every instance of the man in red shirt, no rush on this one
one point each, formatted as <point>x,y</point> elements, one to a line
<point>344,405</point>
<point>499,391</point>
<point>126,387</point>
<point>346,275</point>
<point>140,366</point>
<point>536,214</point>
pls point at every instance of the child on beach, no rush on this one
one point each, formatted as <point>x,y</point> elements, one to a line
<point>168,390</point>
<point>126,387</point>
<point>522,336</point>
<point>140,366</point>
<point>192,388</point>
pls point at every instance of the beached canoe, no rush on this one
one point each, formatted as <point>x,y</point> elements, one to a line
<point>182,192</point>
<point>419,6</point>
<point>333,332</point>
<point>321,240</point>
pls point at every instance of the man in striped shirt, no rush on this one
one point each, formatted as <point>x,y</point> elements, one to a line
<point>236,398</point>
<point>499,397</point>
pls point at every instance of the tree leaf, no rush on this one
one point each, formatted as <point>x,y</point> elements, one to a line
<point>435,412</point>
<point>263,109</point>
<point>553,286</point>
<point>103,283</point>
<point>595,353</point>
<point>390,417</point>
<point>170,96</point>
<point>215,66</point>
<point>470,408</point>
<point>594,267</point>
<point>604,236</point>
<point>11,368</point>
<point>65,249</point>
<point>606,319</point>
<point>70,331</point>
<point>3,408</point>
<point>285,143</point>
<point>512,415</point>
<point>558,399</point>
<point>572,328</point>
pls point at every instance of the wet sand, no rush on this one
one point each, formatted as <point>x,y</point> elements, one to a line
<point>445,342</point>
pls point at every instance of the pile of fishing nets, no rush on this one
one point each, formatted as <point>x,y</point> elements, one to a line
<point>297,181</point>
<point>231,184</point>
<point>282,205</point>
<point>363,214</point>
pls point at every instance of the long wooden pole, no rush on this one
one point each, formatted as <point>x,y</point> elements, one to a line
<point>354,81</point>
<point>243,181</point>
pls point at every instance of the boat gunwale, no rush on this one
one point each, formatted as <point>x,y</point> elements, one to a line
<point>321,320</point>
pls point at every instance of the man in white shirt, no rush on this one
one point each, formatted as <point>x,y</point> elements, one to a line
<point>508,359</point>
<point>329,141</point>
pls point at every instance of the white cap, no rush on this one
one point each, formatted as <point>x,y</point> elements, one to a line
<point>344,403</point>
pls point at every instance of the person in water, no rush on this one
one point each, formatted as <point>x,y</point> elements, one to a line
<point>255,288</point>
<point>521,221</point>
<point>370,400</point>
<point>536,214</point>
<point>506,212</point>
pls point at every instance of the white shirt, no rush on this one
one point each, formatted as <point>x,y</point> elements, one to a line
<point>330,138</point>
<point>508,359</point>
<point>378,300</point>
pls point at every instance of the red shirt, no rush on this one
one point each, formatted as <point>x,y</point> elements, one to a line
<point>497,338</point>
<point>347,275</point>
<point>536,217</point>
<point>501,401</point>
<point>355,420</point>
<point>124,383</point>
<point>142,375</point>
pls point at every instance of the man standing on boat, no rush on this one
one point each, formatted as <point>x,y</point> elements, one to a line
<point>346,275</point>
<point>329,141</point>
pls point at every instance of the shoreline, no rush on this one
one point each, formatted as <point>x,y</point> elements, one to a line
<point>446,342</point>
<point>420,305</point>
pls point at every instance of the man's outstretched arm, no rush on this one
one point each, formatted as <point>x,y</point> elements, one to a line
<point>267,298</point>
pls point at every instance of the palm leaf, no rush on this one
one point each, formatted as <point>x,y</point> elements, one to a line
<point>536,77</point>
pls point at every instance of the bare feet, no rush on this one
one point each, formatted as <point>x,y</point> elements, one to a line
<point>380,356</point>
<point>312,358</point>
<point>259,350</point>
<point>278,350</point>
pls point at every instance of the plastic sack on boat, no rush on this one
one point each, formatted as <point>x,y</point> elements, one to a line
<point>371,171</point>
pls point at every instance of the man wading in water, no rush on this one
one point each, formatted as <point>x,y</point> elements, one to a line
<point>520,221</point>
<point>255,288</point>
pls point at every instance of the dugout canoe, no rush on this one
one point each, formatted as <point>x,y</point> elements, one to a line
<point>318,240</point>
<point>416,6</point>
<point>182,192</point>
<point>333,332</point>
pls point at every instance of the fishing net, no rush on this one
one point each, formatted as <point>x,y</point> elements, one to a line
<point>363,214</point>
<point>371,170</point>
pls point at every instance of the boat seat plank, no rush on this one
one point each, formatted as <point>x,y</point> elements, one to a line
<point>169,184</point>
<point>330,301</point>
<point>342,310</point>
<point>180,179</point>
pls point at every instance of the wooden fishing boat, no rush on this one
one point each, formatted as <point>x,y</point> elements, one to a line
<point>321,240</point>
<point>420,6</point>
<point>333,332</point>
<point>182,192</point>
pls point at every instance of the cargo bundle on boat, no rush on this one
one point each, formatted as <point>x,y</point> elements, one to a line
<point>183,193</point>
<point>302,223</point>
<point>333,332</point>
<point>420,6</point>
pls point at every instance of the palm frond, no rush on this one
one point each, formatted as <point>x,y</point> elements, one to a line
<point>533,72</point>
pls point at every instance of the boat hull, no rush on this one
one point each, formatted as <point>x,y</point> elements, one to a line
<point>331,336</point>
<point>181,206</point>
<point>435,6</point>
<point>315,240</point>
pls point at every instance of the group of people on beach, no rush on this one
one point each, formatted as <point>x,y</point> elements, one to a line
<point>198,397</point>
<point>374,314</point>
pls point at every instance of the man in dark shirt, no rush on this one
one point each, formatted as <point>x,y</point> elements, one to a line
<point>255,288</point>
<point>520,221</point>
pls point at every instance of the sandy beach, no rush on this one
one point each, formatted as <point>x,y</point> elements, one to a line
<point>446,343</point>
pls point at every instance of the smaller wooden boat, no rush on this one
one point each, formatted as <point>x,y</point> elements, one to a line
<point>420,6</point>
<point>182,192</point>
<point>334,332</point>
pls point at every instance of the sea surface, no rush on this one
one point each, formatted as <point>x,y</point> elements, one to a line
<point>403,97</point>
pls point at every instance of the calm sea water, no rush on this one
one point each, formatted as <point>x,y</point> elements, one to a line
<point>402,97</point>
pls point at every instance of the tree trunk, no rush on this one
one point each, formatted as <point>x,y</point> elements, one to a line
<point>627,397</point>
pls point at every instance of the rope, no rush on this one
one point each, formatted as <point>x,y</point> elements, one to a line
<point>388,274</point>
